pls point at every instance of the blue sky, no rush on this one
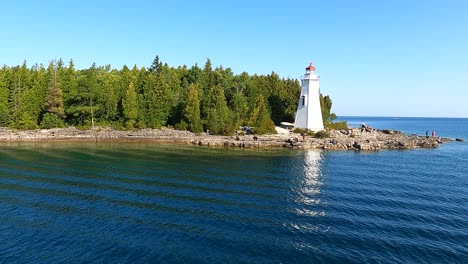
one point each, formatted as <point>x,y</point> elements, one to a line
<point>375,58</point>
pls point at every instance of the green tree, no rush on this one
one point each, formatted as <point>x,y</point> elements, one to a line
<point>326,105</point>
<point>54,102</point>
<point>195,75</point>
<point>140,81</point>
<point>162,95</point>
<point>4,95</point>
<point>208,76</point>
<point>84,99</point>
<point>225,78</point>
<point>260,118</point>
<point>207,83</point>
<point>155,65</point>
<point>158,99</point>
<point>130,106</point>
<point>111,95</point>
<point>240,109</point>
<point>31,99</point>
<point>191,110</point>
<point>54,99</point>
<point>217,119</point>
<point>27,113</point>
<point>69,80</point>
<point>18,84</point>
<point>291,95</point>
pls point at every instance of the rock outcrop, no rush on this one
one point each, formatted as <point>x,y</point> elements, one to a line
<point>352,139</point>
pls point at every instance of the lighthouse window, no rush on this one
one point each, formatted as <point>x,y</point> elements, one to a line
<point>303,100</point>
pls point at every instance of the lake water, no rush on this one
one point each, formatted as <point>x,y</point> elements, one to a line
<point>150,203</point>
<point>444,127</point>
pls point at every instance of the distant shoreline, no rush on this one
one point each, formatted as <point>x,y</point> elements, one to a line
<point>352,139</point>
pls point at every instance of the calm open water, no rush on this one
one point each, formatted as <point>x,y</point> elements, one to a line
<point>140,203</point>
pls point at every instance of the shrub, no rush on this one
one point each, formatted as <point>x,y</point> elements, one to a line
<point>337,125</point>
<point>181,126</point>
<point>304,131</point>
<point>118,126</point>
<point>83,127</point>
<point>50,120</point>
<point>140,124</point>
<point>322,134</point>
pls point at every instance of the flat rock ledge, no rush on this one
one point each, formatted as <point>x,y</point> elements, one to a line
<point>351,139</point>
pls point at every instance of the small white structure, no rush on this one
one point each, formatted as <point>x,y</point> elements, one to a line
<point>309,113</point>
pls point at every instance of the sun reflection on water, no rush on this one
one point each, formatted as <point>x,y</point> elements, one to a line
<point>308,186</point>
<point>308,200</point>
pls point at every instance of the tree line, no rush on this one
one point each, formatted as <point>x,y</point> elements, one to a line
<point>194,98</point>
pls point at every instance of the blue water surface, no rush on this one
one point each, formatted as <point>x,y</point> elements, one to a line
<point>151,203</point>
<point>444,127</point>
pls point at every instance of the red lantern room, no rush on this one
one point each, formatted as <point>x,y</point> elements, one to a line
<point>310,68</point>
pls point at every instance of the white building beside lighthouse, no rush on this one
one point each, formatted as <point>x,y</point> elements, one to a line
<point>309,113</point>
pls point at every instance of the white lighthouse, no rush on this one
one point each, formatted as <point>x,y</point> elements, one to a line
<point>309,113</point>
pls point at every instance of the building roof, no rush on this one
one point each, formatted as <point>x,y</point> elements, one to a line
<point>310,67</point>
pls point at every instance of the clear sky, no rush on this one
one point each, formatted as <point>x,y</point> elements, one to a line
<point>375,58</point>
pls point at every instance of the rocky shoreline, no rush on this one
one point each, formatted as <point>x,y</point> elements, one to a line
<point>351,139</point>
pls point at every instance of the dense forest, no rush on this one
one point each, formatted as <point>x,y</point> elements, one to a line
<point>195,99</point>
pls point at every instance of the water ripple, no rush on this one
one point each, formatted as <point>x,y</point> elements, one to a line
<point>154,203</point>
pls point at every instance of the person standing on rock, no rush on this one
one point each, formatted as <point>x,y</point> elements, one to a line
<point>427,133</point>
<point>433,133</point>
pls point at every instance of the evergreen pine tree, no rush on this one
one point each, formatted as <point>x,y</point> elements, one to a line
<point>161,95</point>
<point>31,98</point>
<point>217,119</point>
<point>53,105</point>
<point>155,65</point>
<point>191,110</point>
<point>54,100</point>
<point>69,81</point>
<point>111,88</point>
<point>240,108</point>
<point>130,106</point>
<point>207,83</point>
<point>326,105</point>
<point>82,97</point>
<point>260,118</point>
<point>4,95</point>
<point>18,84</point>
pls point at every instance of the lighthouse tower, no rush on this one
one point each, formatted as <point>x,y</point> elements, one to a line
<point>309,113</point>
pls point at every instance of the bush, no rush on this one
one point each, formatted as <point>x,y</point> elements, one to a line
<point>322,134</point>
<point>268,128</point>
<point>305,131</point>
<point>50,120</point>
<point>140,124</point>
<point>337,125</point>
<point>130,124</point>
<point>228,130</point>
<point>4,118</point>
<point>103,123</point>
<point>118,126</point>
<point>83,127</point>
<point>181,126</point>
